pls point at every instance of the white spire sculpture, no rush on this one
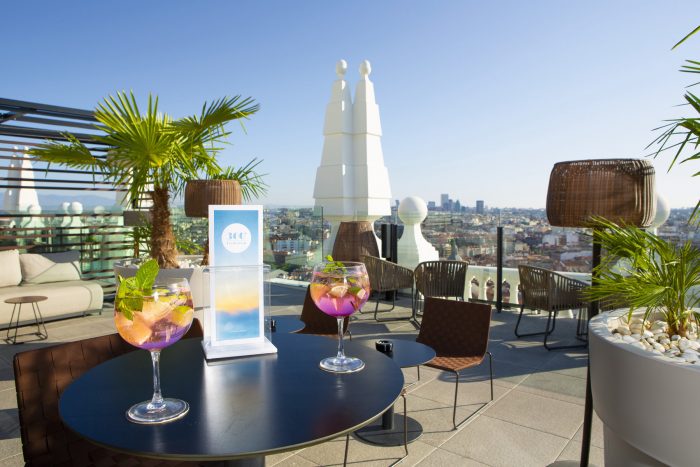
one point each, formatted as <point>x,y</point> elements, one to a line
<point>352,182</point>
<point>20,199</point>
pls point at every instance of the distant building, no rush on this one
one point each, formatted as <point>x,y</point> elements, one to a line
<point>431,205</point>
<point>444,200</point>
<point>480,206</point>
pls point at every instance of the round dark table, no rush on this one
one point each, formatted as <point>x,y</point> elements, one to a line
<point>287,323</point>
<point>242,409</point>
<point>388,433</point>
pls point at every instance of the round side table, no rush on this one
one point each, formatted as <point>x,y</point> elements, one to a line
<point>17,303</point>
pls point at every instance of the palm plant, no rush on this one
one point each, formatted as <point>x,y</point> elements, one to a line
<point>655,274</point>
<point>683,134</point>
<point>153,155</point>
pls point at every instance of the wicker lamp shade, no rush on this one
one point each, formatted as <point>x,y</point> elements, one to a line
<point>199,194</point>
<point>620,190</point>
<point>355,239</point>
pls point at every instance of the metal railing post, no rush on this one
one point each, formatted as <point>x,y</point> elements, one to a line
<point>499,268</point>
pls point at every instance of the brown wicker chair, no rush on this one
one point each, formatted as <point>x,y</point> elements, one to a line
<point>317,322</point>
<point>385,276</point>
<point>551,292</point>
<point>458,331</point>
<point>41,376</point>
<point>439,279</point>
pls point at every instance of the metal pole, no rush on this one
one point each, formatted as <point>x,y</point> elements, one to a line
<point>499,268</point>
<point>593,310</point>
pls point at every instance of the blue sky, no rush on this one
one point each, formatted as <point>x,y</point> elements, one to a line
<point>478,99</point>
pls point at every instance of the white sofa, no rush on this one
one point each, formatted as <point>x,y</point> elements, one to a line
<point>53,275</point>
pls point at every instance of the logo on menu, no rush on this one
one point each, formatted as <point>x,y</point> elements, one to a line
<point>236,238</point>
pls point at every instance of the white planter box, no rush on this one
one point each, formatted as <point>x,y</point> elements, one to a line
<point>647,402</point>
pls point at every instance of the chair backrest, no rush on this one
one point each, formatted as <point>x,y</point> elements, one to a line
<point>455,328</point>
<point>548,290</point>
<point>385,275</point>
<point>41,376</point>
<point>535,283</point>
<point>316,321</point>
<point>441,278</point>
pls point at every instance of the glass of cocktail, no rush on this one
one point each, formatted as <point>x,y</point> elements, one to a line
<point>153,320</point>
<point>339,289</point>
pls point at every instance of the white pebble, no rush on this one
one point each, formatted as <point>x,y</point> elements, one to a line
<point>659,348</point>
<point>648,334</point>
<point>675,337</point>
<point>624,330</point>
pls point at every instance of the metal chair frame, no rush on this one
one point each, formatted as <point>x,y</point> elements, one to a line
<point>385,276</point>
<point>552,292</point>
<point>439,279</point>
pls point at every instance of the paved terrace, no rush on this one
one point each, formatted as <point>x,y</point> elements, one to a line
<point>536,417</point>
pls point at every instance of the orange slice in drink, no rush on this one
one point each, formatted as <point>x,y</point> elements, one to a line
<point>317,291</point>
<point>338,291</point>
<point>153,311</point>
<point>135,332</point>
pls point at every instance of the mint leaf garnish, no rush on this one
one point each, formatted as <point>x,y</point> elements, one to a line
<point>132,289</point>
<point>146,274</point>
<point>333,266</point>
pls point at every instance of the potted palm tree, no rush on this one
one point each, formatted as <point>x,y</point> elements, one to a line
<point>645,359</point>
<point>154,155</point>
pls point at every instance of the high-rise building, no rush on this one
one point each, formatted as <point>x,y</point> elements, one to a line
<point>431,205</point>
<point>480,206</point>
<point>444,200</point>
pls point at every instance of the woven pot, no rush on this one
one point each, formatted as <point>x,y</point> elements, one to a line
<point>355,239</point>
<point>620,190</point>
<point>199,194</point>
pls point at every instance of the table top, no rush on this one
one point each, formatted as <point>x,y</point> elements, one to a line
<point>245,407</point>
<point>406,353</point>
<point>26,299</point>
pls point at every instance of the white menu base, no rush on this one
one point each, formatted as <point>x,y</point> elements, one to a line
<point>215,352</point>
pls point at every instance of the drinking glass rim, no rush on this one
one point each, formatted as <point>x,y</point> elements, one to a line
<point>345,264</point>
<point>162,283</point>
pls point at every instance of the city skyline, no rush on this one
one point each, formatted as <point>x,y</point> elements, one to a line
<point>481,104</point>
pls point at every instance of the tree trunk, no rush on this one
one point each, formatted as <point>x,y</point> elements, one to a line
<point>163,247</point>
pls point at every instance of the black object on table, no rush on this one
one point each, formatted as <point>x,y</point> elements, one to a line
<point>286,323</point>
<point>405,354</point>
<point>17,303</point>
<point>240,409</point>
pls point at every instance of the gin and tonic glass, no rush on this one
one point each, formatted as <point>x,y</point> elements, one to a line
<point>339,289</point>
<point>156,320</point>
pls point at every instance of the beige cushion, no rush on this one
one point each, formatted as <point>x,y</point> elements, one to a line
<point>50,267</point>
<point>10,272</point>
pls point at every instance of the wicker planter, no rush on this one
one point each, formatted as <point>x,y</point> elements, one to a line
<point>199,194</point>
<point>355,239</point>
<point>646,401</point>
<point>620,190</point>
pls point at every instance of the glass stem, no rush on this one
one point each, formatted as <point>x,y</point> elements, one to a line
<point>341,350</point>
<point>157,399</point>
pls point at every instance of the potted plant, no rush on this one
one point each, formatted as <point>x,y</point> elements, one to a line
<point>154,155</point>
<point>229,186</point>
<point>645,359</point>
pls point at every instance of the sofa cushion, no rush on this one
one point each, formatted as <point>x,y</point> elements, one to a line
<point>50,267</point>
<point>10,271</point>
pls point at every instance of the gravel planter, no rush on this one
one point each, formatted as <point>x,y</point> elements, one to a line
<point>645,386</point>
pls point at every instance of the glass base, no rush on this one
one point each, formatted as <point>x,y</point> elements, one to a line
<point>341,365</point>
<point>172,410</point>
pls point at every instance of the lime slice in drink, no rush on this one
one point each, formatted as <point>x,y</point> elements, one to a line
<point>182,316</point>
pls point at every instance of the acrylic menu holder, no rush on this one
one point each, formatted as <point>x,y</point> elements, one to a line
<point>237,320</point>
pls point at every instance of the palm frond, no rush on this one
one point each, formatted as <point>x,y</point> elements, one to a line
<point>686,37</point>
<point>252,184</point>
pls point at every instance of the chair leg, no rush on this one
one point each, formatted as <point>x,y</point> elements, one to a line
<point>454,410</point>
<point>347,444</point>
<point>491,371</point>
<point>553,316</point>
<point>418,368</point>
<point>517,324</point>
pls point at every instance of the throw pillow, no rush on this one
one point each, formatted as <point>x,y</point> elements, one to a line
<point>51,267</point>
<point>10,272</point>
